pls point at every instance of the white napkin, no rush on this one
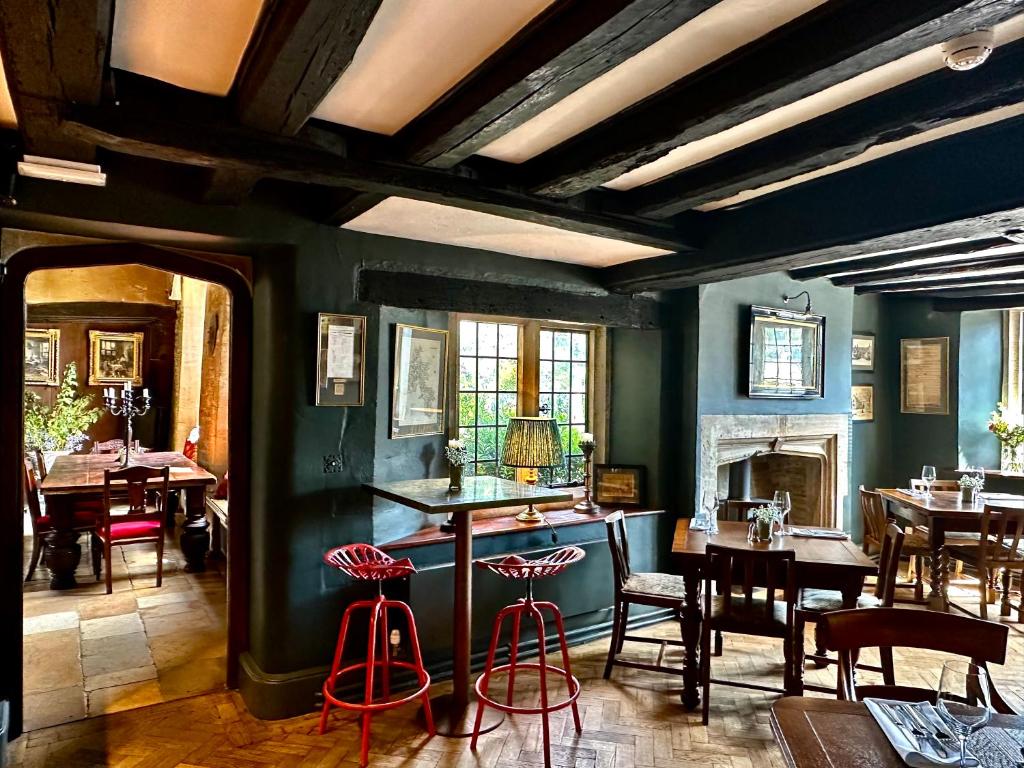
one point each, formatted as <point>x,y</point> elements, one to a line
<point>911,492</point>
<point>905,743</point>
<point>809,533</point>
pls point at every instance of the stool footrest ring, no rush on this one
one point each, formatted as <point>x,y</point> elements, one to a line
<point>574,690</point>
<point>330,682</point>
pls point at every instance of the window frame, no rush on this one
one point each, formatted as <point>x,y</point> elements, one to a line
<point>598,372</point>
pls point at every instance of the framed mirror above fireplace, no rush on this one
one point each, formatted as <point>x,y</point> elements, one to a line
<point>787,354</point>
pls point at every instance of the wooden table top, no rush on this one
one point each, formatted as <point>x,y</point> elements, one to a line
<point>825,733</point>
<point>948,504</point>
<point>83,473</point>
<point>433,496</point>
<point>691,545</point>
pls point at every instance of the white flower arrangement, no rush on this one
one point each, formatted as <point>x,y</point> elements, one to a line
<point>763,514</point>
<point>456,453</point>
<point>971,481</point>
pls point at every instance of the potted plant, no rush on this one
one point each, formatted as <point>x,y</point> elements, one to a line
<point>59,428</point>
<point>457,457</point>
<point>762,521</point>
<point>1008,427</point>
<point>970,487</point>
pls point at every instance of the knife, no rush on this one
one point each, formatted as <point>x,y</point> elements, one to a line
<point>929,730</point>
<point>900,724</point>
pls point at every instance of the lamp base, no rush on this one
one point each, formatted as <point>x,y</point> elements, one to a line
<point>530,515</point>
<point>587,506</point>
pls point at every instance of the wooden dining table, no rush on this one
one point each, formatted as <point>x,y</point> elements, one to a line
<point>826,733</point>
<point>943,512</point>
<point>834,564</point>
<point>78,478</point>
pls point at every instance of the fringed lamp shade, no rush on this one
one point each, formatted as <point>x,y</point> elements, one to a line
<point>532,441</point>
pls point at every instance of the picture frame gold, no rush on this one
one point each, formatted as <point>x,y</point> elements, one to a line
<point>42,356</point>
<point>419,382</point>
<point>620,485</point>
<point>924,376</point>
<point>340,359</point>
<point>115,357</point>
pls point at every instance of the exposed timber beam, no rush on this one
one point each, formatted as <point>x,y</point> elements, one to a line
<point>993,282</point>
<point>347,204</point>
<point>1008,301</point>
<point>1012,262</point>
<point>833,43</point>
<point>153,130</point>
<point>969,189</point>
<point>913,108</point>
<point>564,48</point>
<point>967,250</point>
<point>54,53</point>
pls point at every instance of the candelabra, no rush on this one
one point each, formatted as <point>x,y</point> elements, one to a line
<point>129,405</point>
<point>587,446</point>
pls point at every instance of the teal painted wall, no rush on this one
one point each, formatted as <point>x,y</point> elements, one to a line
<point>981,376</point>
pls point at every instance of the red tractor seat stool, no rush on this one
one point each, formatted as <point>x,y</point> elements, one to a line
<point>366,563</point>
<point>515,567</point>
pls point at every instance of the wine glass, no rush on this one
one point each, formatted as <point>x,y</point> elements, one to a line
<point>782,502</point>
<point>928,477</point>
<point>712,502</point>
<point>963,700</point>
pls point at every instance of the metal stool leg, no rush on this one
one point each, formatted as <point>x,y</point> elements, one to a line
<point>336,665</point>
<point>421,671</point>
<point>566,665</point>
<point>385,651</point>
<point>364,750</point>
<point>513,655</point>
<point>539,618</point>
<point>486,677</point>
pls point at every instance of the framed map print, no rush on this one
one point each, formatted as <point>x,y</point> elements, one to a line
<point>924,376</point>
<point>115,358</point>
<point>420,381</point>
<point>42,356</point>
<point>340,359</point>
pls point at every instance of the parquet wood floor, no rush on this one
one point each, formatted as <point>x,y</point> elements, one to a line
<point>635,719</point>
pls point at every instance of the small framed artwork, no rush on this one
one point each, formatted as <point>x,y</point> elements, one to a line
<point>924,376</point>
<point>619,485</point>
<point>787,354</point>
<point>42,356</point>
<point>420,379</point>
<point>863,402</point>
<point>863,352</point>
<point>340,359</point>
<point>115,358</point>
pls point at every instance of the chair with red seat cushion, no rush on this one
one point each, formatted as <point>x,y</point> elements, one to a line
<point>84,520</point>
<point>142,523</point>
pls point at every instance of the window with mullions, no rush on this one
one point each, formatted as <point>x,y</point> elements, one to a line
<point>488,392</point>
<point>564,378</point>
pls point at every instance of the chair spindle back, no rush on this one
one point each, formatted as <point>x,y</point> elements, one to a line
<point>618,543</point>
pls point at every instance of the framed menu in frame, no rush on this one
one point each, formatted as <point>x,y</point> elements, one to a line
<point>924,376</point>
<point>340,359</point>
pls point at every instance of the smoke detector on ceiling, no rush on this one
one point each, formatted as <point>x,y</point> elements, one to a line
<point>969,51</point>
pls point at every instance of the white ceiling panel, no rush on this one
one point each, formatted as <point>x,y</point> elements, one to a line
<point>194,44</point>
<point>724,27</point>
<point>414,52</point>
<point>433,223</point>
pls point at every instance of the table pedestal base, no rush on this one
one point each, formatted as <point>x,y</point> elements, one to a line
<point>63,554</point>
<point>456,722</point>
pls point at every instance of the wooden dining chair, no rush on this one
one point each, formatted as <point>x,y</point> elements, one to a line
<point>108,446</point>
<point>138,521</point>
<point>658,590</point>
<point>915,544</point>
<point>916,484</point>
<point>84,521</point>
<point>814,603</point>
<point>747,613</point>
<point>847,632</point>
<point>1000,547</point>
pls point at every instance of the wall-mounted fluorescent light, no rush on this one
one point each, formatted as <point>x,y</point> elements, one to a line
<point>62,170</point>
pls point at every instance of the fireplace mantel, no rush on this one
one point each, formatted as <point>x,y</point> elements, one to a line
<point>728,438</point>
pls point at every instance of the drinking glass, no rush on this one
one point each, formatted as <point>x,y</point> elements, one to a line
<point>963,700</point>
<point>712,502</point>
<point>782,502</point>
<point>928,477</point>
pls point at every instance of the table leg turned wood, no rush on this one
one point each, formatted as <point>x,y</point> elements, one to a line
<point>195,533</point>
<point>62,550</point>
<point>937,567</point>
<point>692,618</point>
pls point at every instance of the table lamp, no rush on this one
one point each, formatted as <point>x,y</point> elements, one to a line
<point>531,442</point>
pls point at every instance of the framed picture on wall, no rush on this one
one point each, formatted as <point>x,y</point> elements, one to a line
<point>42,356</point>
<point>863,402</point>
<point>619,484</point>
<point>924,376</point>
<point>115,358</point>
<point>863,352</point>
<point>420,381</point>
<point>340,359</point>
<point>787,354</point>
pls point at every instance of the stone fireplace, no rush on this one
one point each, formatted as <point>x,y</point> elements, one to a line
<point>807,455</point>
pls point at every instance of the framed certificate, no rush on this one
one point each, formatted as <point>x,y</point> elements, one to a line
<point>340,359</point>
<point>924,376</point>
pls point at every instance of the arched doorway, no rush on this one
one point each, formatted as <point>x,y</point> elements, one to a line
<point>230,271</point>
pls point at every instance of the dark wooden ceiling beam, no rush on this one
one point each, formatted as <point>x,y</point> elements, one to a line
<point>54,53</point>
<point>833,43</point>
<point>1014,261</point>
<point>862,264</point>
<point>921,105</point>
<point>162,131</point>
<point>1009,301</point>
<point>347,204</point>
<point>564,48</point>
<point>956,283</point>
<point>968,187</point>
